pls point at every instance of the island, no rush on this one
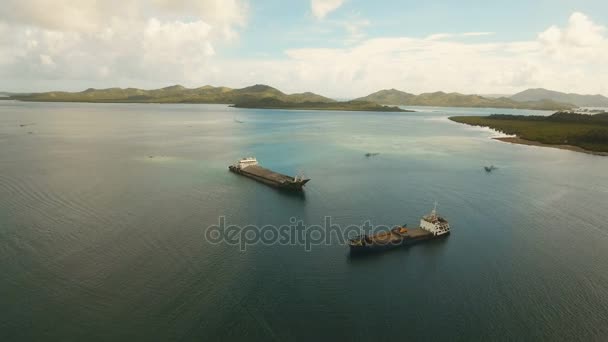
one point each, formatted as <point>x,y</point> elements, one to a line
<point>273,103</point>
<point>579,100</point>
<point>264,96</point>
<point>565,130</point>
<point>256,96</point>
<point>173,94</point>
<point>442,99</point>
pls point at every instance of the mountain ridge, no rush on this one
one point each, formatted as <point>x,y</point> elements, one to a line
<point>443,99</point>
<point>536,94</point>
<point>174,94</point>
<point>224,95</point>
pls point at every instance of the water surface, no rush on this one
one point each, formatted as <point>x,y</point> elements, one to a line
<point>103,209</point>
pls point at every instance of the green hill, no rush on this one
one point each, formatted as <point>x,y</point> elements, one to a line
<point>441,99</point>
<point>224,95</point>
<point>388,97</point>
<point>174,94</point>
<point>576,99</point>
<point>274,103</point>
<point>256,96</point>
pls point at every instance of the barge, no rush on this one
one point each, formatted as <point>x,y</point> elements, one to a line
<point>432,226</point>
<point>249,167</point>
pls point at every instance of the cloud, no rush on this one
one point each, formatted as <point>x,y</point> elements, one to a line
<point>89,16</point>
<point>354,27</point>
<point>581,32</point>
<point>353,24</point>
<point>144,41</point>
<point>321,8</point>
<point>440,36</point>
<point>477,34</point>
<point>569,58</point>
<point>161,42</point>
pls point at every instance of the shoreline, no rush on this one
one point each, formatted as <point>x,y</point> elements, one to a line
<point>233,104</point>
<point>520,141</point>
<point>377,109</point>
<point>335,109</point>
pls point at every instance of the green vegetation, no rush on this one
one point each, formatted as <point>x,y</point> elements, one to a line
<point>589,132</point>
<point>441,99</point>
<point>389,97</point>
<point>173,94</point>
<point>255,96</point>
<point>274,103</point>
<point>576,99</point>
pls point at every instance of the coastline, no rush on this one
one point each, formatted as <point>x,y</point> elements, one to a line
<point>294,106</point>
<point>329,108</point>
<point>520,141</point>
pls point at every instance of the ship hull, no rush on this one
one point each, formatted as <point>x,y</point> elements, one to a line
<point>270,178</point>
<point>377,247</point>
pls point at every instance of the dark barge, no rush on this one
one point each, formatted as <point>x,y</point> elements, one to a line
<point>249,167</point>
<point>432,226</point>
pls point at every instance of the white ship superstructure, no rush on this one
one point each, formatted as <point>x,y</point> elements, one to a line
<point>245,162</point>
<point>434,223</point>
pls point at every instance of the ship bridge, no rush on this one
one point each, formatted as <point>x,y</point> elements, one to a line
<point>434,223</point>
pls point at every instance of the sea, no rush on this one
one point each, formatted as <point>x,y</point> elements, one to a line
<point>114,224</point>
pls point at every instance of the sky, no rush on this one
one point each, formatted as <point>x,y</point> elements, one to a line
<point>337,48</point>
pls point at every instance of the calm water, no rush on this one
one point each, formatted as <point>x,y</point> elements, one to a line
<point>98,241</point>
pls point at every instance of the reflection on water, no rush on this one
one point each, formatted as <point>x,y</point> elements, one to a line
<point>103,212</point>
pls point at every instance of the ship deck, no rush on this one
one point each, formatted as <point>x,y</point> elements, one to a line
<point>391,236</point>
<point>385,237</point>
<point>417,233</point>
<point>259,171</point>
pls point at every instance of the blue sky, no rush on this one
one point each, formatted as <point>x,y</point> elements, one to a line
<point>340,48</point>
<point>275,26</point>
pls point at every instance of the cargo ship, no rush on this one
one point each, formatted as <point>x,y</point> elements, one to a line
<point>432,226</point>
<point>249,167</point>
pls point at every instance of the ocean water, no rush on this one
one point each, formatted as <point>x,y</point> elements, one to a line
<point>104,208</point>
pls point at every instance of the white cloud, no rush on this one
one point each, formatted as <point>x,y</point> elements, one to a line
<point>439,36</point>
<point>321,8</point>
<point>355,27</point>
<point>93,15</point>
<point>83,15</point>
<point>353,24</point>
<point>121,41</point>
<point>169,42</point>
<point>569,58</point>
<point>581,33</point>
<point>477,34</point>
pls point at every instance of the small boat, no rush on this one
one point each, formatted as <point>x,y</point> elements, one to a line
<point>490,168</point>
